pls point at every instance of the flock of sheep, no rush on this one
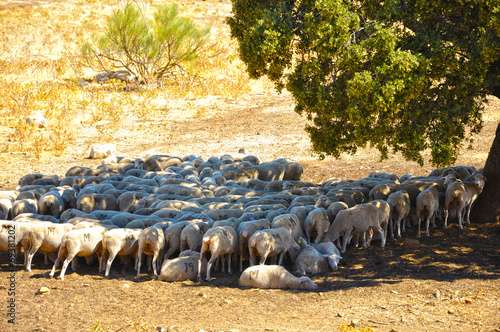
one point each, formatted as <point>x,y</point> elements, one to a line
<point>186,214</point>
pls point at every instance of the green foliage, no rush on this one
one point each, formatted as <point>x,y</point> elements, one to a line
<point>149,49</point>
<point>403,76</point>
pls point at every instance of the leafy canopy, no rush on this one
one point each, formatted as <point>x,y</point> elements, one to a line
<point>150,49</point>
<point>400,75</point>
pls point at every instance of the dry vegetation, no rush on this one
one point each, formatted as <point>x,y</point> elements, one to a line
<point>450,283</point>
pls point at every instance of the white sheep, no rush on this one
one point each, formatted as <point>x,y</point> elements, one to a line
<point>5,208</point>
<point>184,267</point>
<point>271,243</point>
<point>13,236</point>
<point>82,242</point>
<point>427,207</point>
<point>330,251</point>
<point>245,230</point>
<point>288,221</point>
<point>51,203</point>
<point>36,120</point>
<point>273,276</point>
<point>45,237</point>
<point>151,243</point>
<point>309,260</point>
<point>459,197</point>
<point>102,151</point>
<point>119,242</point>
<point>316,223</point>
<point>192,235</point>
<point>360,218</point>
<point>24,206</point>
<point>399,203</point>
<point>335,208</point>
<point>173,236</point>
<point>220,242</point>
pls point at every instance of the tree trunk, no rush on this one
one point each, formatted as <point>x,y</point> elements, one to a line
<point>486,209</point>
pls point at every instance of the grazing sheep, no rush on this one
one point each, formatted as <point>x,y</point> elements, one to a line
<point>330,251</point>
<point>316,223</point>
<point>399,203</point>
<point>245,230</point>
<point>120,75</point>
<point>271,243</point>
<point>220,242</point>
<point>151,243</point>
<point>78,242</point>
<point>45,237</point>
<point>119,242</point>
<point>184,267</point>
<point>309,260</point>
<point>360,218</point>
<point>273,276</point>
<point>289,221</point>
<point>173,236</point>
<point>427,207</point>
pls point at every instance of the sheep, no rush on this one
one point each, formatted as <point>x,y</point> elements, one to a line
<point>271,243</point>
<point>101,151</point>
<point>192,235</point>
<point>220,242</point>
<point>36,120</point>
<point>301,212</point>
<point>459,197</point>
<point>78,242</point>
<point>427,207</point>
<point>384,175</point>
<point>121,75</point>
<point>290,222</point>
<point>173,236</point>
<point>45,237</point>
<point>51,203</point>
<point>316,223</point>
<point>270,171</point>
<point>382,191</point>
<point>245,230</point>
<point>184,267</point>
<point>24,206</point>
<point>5,208</point>
<point>399,203</point>
<point>335,208</point>
<point>274,276</point>
<point>360,218</point>
<point>119,242</point>
<point>91,202</point>
<point>309,260</point>
<point>13,236</point>
<point>330,251</point>
<point>151,243</point>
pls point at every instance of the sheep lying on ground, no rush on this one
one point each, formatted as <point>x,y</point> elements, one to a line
<point>273,276</point>
<point>101,151</point>
<point>37,120</point>
<point>220,242</point>
<point>184,267</point>
<point>309,260</point>
<point>427,207</point>
<point>271,243</point>
<point>330,251</point>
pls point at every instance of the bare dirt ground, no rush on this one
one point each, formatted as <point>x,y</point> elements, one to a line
<point>449,283</point>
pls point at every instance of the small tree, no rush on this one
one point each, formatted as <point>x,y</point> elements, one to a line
<point>149,49</point>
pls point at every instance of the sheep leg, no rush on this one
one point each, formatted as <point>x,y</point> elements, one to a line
<point>252,256</point>
<point>427,226</point>
<point>398,223</point>
<point>282,254</point>
<point>381,230</point>
<point>418,232</point>
<point>209,266</point>
<point>459,215</point>
<point>154,262</point>
<point>139,261</point>
<point>223,259</point>
<point>446,218</point>
<point>391,226</point>
<point>347,237</point>
<point>65,265</point>
<point>203,253</point>
<point>62,252</point>
<point>229,264</point>
<point>109,261</point>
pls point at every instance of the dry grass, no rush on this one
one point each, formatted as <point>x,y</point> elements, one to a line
<point>40,66</point>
